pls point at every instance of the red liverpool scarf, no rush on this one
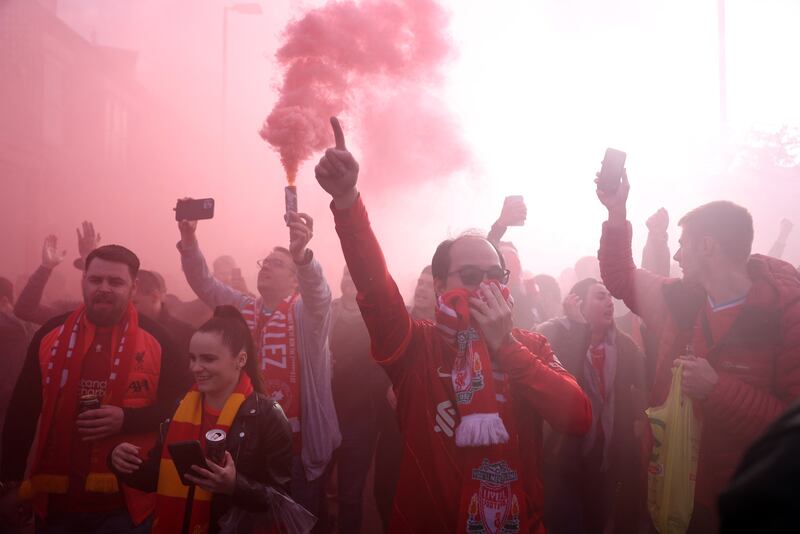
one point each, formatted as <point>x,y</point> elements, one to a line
<point>492,495</point>
<point>50,464</point>
<point>274,336</point>
<point>186,425</point>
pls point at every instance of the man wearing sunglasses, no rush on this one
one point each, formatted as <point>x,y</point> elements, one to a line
<point>472,392</point>
<point>290,323</point>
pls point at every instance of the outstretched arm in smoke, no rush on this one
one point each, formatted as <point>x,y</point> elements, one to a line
<point>207,288</point>
<point>29,305</point>
<point>381,304</point>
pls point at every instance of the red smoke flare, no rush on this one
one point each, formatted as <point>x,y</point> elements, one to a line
<point>379,60</point>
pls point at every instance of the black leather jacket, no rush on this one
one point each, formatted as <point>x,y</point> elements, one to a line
<point>260,442</point>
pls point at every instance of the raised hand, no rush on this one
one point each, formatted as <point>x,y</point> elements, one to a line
<point>337,171</point>
<point>301,230</point>
<point>616,201</point>
<point>51,257</point>
<point>786,228</point>
<point>88,241</point>
<point>514,212</point>
<point>658,222</point>
<point>188,230</point>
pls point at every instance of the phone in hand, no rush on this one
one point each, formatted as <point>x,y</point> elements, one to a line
<point>511,200</point>
<point>194,209</point>
<point>610,176</point>
<point>185,454</point>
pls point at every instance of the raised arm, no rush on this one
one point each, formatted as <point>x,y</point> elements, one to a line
<point>381,304</point>
<point>780,243</point>
<point>641,290</point>
<point>514,213</point>
<point>311,283</point>
<point>207,288</point>
<point>655,255</point>
<point>29,305</point>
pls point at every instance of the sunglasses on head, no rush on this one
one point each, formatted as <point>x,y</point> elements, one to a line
<point>473,276</point>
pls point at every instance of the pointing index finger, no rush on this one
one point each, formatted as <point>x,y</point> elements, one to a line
<point>338,135</point>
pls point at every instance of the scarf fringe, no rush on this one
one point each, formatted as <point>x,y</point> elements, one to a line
<point>102,483</point>
<point>481,429</point>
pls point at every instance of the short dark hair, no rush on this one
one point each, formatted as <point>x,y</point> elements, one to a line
<point>727,223</point>
<point>232,328</point>
<point>6,289</point>
<point>440,264</point>
<point>149,282</point>
<point>116,254</point>
<point>581,289</point>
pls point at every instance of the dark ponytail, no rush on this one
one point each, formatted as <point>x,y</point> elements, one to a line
<point>229,323</point>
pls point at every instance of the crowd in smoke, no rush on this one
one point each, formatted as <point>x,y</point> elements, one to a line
<point>608,397</point>
<point>563,415</point>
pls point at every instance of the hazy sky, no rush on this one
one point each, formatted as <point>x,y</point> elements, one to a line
<point>539,89</point>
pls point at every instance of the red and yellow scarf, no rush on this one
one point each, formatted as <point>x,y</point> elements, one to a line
<point>274,336</point>
<point>186,424</point>
<point>492,494</point>
<point>49,464</point>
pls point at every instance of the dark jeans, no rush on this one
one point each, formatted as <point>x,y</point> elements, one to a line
<point>353,459</point>
<point>310,494</point>
<point>91,523</point>
<point>388,456</point>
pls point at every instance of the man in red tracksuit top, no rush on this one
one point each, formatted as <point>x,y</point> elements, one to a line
<point>739,314</point>
<point>471,394</point>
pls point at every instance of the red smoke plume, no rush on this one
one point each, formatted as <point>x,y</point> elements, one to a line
<point>379,61</point>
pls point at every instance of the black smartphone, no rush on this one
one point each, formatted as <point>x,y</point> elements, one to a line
<point>185,454</point>
<point>194,209</point>
<point>611,172</point>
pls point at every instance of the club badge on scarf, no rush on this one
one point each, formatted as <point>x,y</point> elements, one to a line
<point>475,394</point>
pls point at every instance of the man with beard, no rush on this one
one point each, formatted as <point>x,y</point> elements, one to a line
<point>93,378</point>
<point>290,322</point>
<point>472,391</point>
<point>732,322</point>
<point>596,483</point>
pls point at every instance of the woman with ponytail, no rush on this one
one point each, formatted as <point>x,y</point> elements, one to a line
<point>227,395</point>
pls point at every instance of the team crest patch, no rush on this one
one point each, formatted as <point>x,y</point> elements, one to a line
<point>468,377</point>
<point>280,392</point>
<point>494,508</point>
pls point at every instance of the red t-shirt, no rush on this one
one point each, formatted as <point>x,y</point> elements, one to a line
<point>720,320</point>
<point>94,379</point>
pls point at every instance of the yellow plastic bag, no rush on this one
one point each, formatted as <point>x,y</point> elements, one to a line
<point>673,460</point>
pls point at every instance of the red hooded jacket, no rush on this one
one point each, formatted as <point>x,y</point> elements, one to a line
<point>757,360</point>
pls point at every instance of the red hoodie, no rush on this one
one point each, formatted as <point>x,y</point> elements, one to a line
<point>758,359</point>
<point>432,468</point>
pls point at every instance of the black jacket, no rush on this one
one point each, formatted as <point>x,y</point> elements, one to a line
<point>260,442</point>
<point>180,332</point>
<point>26,400</point>
<point>763,495</point>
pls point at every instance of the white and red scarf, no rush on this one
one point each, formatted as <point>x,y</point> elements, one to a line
<point>492,495</point>
<point>49,465</point>
<point>276,343</point>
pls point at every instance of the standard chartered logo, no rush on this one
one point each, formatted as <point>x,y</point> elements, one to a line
<point>445,418</point>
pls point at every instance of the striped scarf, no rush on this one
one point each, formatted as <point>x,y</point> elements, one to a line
<point>276,343</point>
<point>492,495</point>
<point>49,466</point>
<point>475,394</point>
<point>186,425</point>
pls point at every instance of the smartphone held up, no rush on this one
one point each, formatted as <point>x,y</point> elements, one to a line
<point>191,209</point>
<point>610,176</point>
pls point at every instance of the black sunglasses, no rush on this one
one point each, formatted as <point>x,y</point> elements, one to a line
<point>472,276</point>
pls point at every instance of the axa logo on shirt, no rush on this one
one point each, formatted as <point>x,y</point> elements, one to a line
<point>445,418</point>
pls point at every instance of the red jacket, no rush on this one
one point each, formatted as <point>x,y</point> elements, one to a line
<point>758,360</point>
<point>432,468</point>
